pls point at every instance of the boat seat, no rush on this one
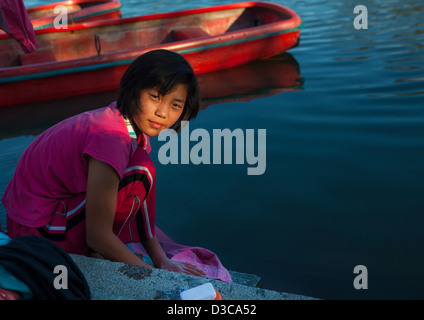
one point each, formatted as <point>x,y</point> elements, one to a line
<point>189,33</point>
<point>38,56</point>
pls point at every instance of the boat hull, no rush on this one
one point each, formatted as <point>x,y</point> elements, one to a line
<point>246,82</point>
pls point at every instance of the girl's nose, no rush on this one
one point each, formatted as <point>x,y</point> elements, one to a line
<point>161,111</point>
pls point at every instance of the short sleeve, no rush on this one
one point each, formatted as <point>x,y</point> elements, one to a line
<point>109,147</point>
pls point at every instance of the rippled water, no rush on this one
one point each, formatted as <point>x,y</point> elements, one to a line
<point>345,157</point>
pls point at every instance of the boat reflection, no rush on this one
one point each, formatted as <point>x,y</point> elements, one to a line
<point>254,80</point>
<point>257,79</point>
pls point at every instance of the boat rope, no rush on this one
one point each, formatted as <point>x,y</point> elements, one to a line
<point>97,44</point>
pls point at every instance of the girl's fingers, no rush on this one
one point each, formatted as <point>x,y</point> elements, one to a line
<point>182,267</point>
<point>193,270</point>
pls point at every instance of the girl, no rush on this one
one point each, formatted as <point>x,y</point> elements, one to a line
<point>88,181</point>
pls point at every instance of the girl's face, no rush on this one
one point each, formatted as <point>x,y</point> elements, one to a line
<point>156,112</point>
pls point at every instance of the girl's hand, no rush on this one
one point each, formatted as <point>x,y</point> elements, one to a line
<point>181,267</point>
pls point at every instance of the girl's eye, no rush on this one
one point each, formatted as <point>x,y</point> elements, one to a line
<point>154,96</point>
<point>177,106</point>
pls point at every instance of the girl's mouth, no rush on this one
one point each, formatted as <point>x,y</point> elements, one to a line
<point>156,125</point>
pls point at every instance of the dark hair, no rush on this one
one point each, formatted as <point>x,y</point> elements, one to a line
<point>161,69</point>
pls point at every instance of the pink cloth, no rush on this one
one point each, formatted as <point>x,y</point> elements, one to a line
<point>15,22</point>
<point>202,258</point>
<point>54,167</point>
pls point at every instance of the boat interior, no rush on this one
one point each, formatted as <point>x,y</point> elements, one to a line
<point>134,34</point>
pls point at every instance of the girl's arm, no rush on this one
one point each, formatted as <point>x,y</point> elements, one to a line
<point>102,189</point>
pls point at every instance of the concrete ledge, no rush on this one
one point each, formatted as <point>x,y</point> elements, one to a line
<point>119,281</point>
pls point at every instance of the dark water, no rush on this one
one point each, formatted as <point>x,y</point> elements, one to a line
<point>344,114</point>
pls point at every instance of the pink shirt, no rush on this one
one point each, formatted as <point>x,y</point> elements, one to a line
<point>54,165</point>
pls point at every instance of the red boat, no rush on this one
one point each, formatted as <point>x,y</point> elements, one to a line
<point>91,57</point>
<point>77,11</point>
<point>261,78</point>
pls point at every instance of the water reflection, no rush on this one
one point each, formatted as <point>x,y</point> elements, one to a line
<point>258,79</point>
<point>390,52</point>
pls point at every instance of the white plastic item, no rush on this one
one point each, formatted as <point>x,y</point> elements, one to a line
<point>203,292</point>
